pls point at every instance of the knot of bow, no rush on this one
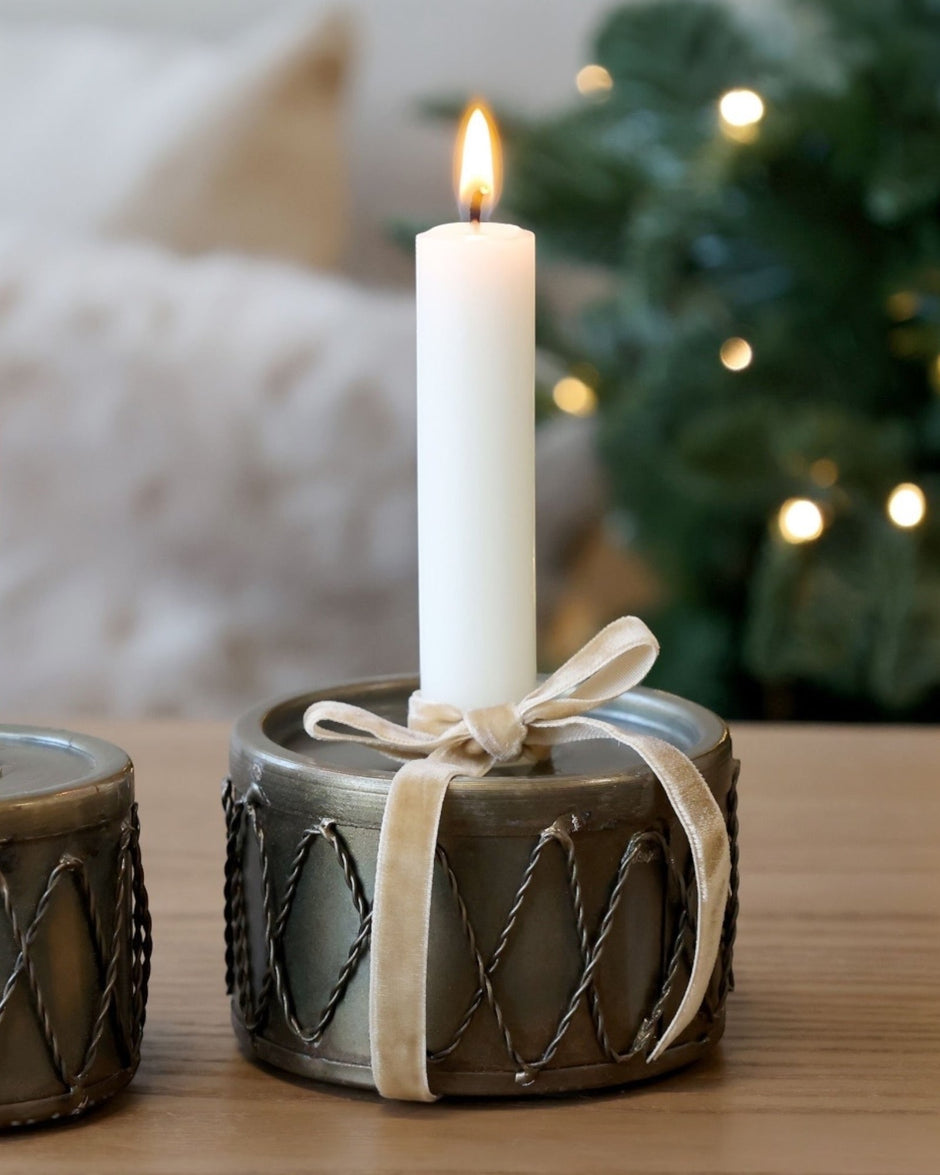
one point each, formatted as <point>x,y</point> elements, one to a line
<point>612,662</point>
<point>440,743</point>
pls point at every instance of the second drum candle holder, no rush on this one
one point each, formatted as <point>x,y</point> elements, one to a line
<point>74,924</point>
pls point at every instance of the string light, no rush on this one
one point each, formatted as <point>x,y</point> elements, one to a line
<point>800,520</point>
<point>824,472</point>
<point>906,505</point>
<point>736,354</point>
<point>594,81</point>
<point>574,396</point>
<point>902,305</point>
<point>740,113</point>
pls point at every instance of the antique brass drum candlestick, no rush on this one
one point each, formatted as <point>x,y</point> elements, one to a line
<point>563,908</point>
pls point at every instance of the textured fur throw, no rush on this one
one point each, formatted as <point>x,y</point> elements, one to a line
<point>207,481</point>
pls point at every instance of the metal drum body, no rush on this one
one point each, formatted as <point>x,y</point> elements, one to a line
<point>562,925</point>
<point>74,928</point>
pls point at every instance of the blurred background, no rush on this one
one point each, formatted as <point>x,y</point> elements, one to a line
<point>207,340</point>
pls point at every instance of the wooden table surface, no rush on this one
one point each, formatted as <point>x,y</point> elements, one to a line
<point>831,1061</point>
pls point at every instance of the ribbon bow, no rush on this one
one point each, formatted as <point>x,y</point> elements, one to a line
<point>440,743</point>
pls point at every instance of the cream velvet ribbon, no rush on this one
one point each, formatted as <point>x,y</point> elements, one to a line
<point>440,743</point>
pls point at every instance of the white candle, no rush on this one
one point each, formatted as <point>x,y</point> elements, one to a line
<point>476,451</point>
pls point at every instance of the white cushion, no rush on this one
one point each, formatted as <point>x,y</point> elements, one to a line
<point>228,144</point>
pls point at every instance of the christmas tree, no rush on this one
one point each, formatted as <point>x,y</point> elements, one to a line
<point>761,205</point>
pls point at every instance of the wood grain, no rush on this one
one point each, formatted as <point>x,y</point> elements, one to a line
<point>831,1062</point>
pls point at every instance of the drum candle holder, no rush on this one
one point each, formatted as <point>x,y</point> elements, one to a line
<point>74,924</point>
<point>563,908</point>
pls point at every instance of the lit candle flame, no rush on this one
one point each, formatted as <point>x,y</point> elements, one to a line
<point>477,161</point>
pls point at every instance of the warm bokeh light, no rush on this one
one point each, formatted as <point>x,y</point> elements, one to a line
<point>574,396</point>
<point>594,81</point>
<point>740,108</point>
<point>740,113</point>
<point>907,505</point>
<point>824,472</point>
<point>477,163</point>
<point>800,520</point>
<point>736,354</point>
<point>902,305</point>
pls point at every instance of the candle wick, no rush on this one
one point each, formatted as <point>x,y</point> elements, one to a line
<point>476,205</point>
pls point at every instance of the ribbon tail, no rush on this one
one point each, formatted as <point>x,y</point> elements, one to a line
<point>704,825</point>
<point>401,912</point>
<point>711,859</point>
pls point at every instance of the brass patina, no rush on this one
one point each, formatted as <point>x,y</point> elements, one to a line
<point>563,910</point>
<point>74,926</point>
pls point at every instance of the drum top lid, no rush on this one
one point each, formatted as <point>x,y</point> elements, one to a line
<point>277,729</point>
<point>54,780</point>
<point>269,747</point>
